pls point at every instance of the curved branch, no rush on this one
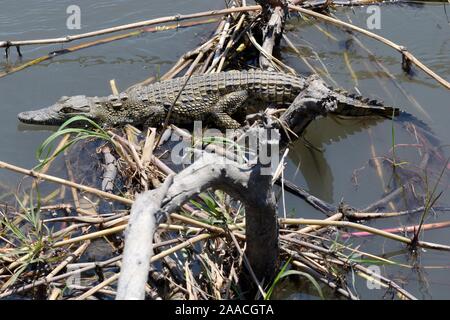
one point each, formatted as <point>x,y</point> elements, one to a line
<point>242,182</point>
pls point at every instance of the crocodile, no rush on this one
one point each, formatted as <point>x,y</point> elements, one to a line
<point>215,98</point>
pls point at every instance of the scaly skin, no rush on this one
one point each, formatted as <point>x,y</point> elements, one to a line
<point>213,97</point>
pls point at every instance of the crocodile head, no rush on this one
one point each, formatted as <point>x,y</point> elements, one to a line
<point>64,109</point>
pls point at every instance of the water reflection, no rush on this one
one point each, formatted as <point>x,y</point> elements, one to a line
<point>313,163</point>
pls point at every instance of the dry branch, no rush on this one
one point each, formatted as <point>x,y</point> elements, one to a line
<point>272,35</point>
<point>423,244</point>
<point>240,181</point>
<point>32,173</point>
<point>69,38</point>
<point>139,243</point>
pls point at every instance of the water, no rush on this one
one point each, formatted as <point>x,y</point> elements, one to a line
<point>346,144</point>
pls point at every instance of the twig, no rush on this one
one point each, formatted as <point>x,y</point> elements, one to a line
<point>55,294</point>
<point>101,285</point>
<point>69,38</point>
<point>375,215</point>
<point>32,173</point>
<point>236,36</point>
<point>276,62</point>
<point>315,202</point>
<point>414,228</point>
<point>44,280</point>
<point>272,34</point>
<point>382,233</point>
<point>169,112</point>
<point>248,265</point>
<point>76,254</point>
<point>308,229</point>
<point>90,236</point>
<point>324,280</point>
<point>389,282</point>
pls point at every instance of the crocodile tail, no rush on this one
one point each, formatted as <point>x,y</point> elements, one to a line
<point>407,119</point>
<point>354,105</point>
<point>270,86</point>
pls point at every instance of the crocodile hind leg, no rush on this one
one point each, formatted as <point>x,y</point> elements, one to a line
<point>225,107</point>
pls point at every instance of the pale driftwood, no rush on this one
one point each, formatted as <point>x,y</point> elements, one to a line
<point>242,182</point>
<point>139,243</point>
<point>272,34</point>
<point>110,170</point>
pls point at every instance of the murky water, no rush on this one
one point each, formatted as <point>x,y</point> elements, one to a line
<point>342,170</point>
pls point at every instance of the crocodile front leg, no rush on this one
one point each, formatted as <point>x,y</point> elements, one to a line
<point>225,107</point>
<point>153,115</point>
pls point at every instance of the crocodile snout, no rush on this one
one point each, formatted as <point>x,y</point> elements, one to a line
<point>36,117</point>
<point>25,116</point>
